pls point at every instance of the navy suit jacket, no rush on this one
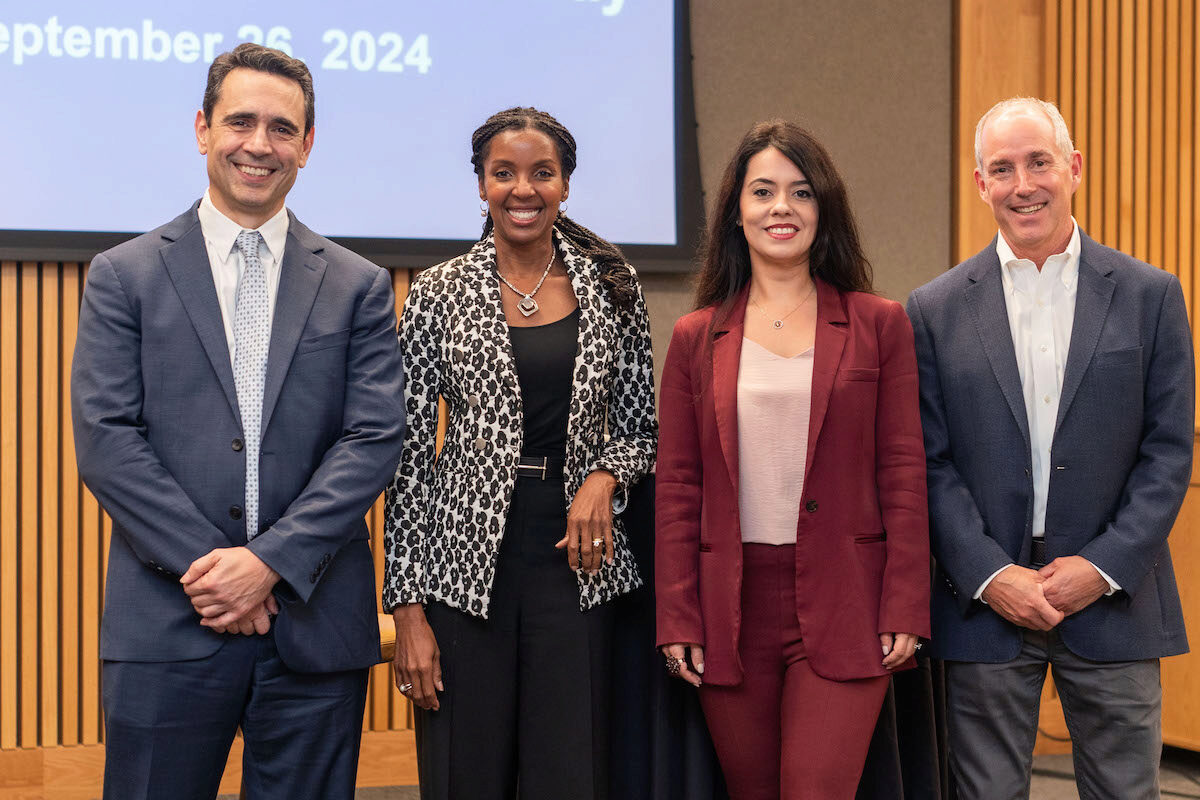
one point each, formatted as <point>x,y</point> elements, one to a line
<point>157,436</point>
<point>1120,460</point>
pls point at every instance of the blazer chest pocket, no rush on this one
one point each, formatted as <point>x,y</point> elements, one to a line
<point>324,341</point>
<point>859,374</point>
<point>1112,359</point>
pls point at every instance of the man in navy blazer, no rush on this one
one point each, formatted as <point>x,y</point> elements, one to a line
<point>236,392</point>
<point>1057,403</point>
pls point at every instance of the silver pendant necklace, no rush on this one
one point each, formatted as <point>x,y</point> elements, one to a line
<point>527,305</point>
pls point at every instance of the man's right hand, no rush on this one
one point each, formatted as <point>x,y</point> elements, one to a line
<point>1016,594</point>
<point>417,661</point>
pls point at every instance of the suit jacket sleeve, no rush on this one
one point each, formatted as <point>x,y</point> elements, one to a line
<point>633,431</point>
<point>329,511</point>
<point>407,501</point>
<point>961,544</point>
<point>157,518</point>
<point>900,481</point>
<point>679,477</point>
<point>1129,546</point>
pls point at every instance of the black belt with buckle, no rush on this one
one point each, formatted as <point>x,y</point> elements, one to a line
<point>1037,553</point>
<point>546,468</point>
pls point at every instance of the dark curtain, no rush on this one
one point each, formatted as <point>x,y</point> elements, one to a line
<point>661,748</point>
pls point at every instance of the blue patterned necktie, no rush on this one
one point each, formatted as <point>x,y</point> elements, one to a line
<point>251,338</point>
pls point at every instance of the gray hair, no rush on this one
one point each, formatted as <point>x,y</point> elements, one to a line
<point>1062,137</point>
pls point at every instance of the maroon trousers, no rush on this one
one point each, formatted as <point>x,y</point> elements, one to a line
<point>785,733</point>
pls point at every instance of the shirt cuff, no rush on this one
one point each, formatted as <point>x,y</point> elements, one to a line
<point>979,592</point>
<point>1113,586</point>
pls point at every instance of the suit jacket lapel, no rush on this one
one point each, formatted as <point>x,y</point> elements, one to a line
<point>726,359</point>
<point>829,342</point>
<point>592,315</point>
<point>186,259</point>
<point>300,277</point>
<point>984,297</point>
<point>1092,297</point>
<point>489,312</point>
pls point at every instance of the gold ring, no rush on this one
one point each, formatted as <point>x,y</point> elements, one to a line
<point>597,542</point>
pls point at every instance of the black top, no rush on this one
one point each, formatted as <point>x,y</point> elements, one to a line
<point>545,361</point>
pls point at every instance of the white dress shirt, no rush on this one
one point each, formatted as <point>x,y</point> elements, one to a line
<point>1041,314</point>
<point>220,239</point>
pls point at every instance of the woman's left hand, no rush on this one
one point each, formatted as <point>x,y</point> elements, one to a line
<point>897,648</point>
<point>589,540</point>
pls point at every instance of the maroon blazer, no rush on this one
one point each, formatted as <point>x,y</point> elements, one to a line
<point>862,541</point>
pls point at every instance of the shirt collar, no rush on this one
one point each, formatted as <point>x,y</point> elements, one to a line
<point>222,232</point>
<point>1065,264</point>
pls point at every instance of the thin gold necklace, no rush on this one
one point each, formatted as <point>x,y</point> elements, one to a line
<point>777,323</point>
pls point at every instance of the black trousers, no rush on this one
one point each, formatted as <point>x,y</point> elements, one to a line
<point>169,726</point>
<point>525,710</point>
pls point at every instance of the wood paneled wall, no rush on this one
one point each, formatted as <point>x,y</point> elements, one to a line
<point>1126,75</point>
<point>54,536</point>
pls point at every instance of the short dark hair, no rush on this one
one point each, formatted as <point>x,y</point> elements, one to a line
<point>260,59</point>
<point>836,256</point>
<point>614,272</point>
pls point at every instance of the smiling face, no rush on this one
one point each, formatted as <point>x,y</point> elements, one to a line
<point>1028,183</point>
<point>254,145</point>
<point>777,210</point>
<point>523,184</point>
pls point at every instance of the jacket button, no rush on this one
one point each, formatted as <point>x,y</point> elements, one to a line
<point>473,400</point>
<point>235,512</point>
<point>480,443</point>
<point>810,506</point>
<point>237,445</point>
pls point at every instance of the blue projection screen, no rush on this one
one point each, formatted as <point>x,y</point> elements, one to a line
<point>98,102</point>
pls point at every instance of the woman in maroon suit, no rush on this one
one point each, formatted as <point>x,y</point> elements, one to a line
<point>792,560</point>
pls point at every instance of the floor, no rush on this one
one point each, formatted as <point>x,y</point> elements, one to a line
<point>1053,779</point>
<point>1053,776</point>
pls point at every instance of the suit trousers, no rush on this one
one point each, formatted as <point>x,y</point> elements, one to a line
<point>169,725</point>
<point>1113,712</point>
<point>525,709</point>
<point>786,733</point>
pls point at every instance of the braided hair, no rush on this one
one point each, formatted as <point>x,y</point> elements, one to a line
<point>615,274</point>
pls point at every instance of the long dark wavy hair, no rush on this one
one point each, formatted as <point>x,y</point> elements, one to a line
<point>614,273</point>
<point>836,256</point>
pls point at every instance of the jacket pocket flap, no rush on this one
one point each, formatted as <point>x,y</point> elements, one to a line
<point>324,341</point>
<point>859,374</point>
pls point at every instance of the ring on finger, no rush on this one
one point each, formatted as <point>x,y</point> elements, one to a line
<point>597,542</point>
<point>673,665</point>
<point>405,688</point>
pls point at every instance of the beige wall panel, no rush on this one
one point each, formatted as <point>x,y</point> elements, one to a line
<point>871,79</point>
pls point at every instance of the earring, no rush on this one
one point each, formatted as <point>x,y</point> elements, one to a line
<point>562,208</point>
<point>483,209</point>
<point>738,223</point>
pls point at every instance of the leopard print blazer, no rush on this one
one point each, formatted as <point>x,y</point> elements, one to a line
<point>445,520</point>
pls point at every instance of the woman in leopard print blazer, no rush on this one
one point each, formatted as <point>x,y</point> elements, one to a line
<point>503,550</point>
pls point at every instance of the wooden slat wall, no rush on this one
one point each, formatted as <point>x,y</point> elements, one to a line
<point>54,536</point>
<point>1126,75</point>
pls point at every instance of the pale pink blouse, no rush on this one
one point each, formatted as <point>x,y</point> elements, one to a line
<point>774,395</point>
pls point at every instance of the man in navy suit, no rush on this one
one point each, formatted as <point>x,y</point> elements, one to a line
<point>1057,404</point>
<point>236,392</point>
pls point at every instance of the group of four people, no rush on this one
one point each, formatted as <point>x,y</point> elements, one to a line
<point>240,397</point>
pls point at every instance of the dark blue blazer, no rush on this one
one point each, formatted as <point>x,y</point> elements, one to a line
<point>157,433</point>
<point>1121,456</point>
